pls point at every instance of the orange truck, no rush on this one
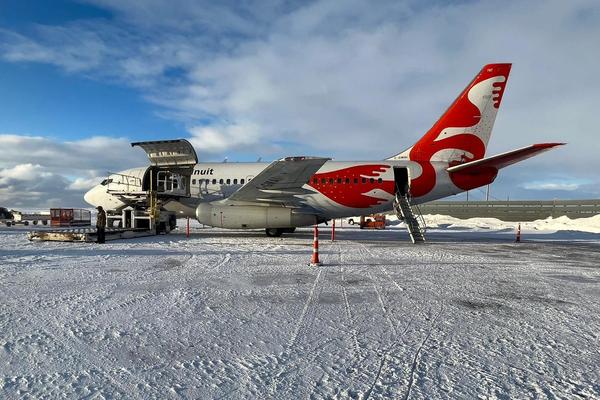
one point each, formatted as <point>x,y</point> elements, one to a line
<point>373,221</point>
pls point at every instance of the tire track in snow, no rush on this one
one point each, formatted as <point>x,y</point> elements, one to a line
<point>395,339</point>
<point>221,262</point>
<point>358,358</point>
<point>385,310</point>
<point>418,352</point>
<point>301,322</point>
<point>386,355</point>
<point>300,327</point>
<point>349,317</point>
<point>351,321</point>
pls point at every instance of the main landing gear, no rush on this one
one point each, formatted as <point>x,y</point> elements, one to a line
<point>276,232</point>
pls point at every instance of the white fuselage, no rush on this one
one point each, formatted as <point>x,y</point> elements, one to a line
<point>341,189</point>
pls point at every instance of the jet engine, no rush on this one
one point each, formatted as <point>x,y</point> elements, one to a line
<point>251,217</point>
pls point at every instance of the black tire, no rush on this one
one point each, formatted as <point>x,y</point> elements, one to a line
<point>35,222</point>
<point>8,223</point>
<point>289,230</point>
<point>44,222</point>
<point>26,223</point>
<point>351,221</point>
<point>273,232</point>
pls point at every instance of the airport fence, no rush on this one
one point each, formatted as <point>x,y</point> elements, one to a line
<point>529,210</point>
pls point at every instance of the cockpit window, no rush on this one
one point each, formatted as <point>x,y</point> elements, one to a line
<point>106,182</point>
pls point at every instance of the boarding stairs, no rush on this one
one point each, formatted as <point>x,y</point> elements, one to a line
<point>404,211</point>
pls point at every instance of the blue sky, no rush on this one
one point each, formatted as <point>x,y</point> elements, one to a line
<point>79,80</point>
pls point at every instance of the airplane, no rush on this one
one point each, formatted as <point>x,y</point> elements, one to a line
<point>303,191</point>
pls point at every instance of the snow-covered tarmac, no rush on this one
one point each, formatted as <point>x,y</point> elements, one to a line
<point>239,315</point>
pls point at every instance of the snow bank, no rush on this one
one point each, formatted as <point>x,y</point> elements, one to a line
<point>548,225</point>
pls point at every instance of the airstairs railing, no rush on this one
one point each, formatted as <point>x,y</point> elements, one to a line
<point>405,212</point>
<point>421,219</point>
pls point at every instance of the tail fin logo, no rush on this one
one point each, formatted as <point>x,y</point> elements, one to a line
<point>498,92</point>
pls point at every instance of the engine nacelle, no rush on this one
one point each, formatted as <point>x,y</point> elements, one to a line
<point>251,217</point>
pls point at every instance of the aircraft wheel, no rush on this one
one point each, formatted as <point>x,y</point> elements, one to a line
<point>273,232</point>
<point>351,221</point>
<point>35,222</point>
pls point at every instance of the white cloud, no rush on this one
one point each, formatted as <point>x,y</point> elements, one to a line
<point>215,139</point>
<point>568,186</point>
<point>95,153</point>
<point>22,172</point>
<point>41,189</point>
<point>80,184</point>
<point>37,171</point>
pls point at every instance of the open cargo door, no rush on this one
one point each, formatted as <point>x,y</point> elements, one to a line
<point>178,153</point>
<point>171,166</point>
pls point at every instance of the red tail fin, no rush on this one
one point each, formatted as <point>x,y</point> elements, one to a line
<point>463,131</point>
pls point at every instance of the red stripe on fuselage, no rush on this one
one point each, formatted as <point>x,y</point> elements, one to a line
<point>354,194</point>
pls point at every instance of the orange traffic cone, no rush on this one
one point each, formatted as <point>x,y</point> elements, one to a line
<point>518,240</point>
<point>314,260</point>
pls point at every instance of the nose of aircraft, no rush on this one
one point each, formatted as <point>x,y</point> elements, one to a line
<point>91,196</point>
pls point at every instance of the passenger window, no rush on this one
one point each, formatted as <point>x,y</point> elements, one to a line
<point>229,181</point>
<point>214,182</point>
<point>220,181</point>
<point>355,180</point>
<point>379,180</point>
<point>235,181</point>
<point>339,180</point>
<point>372,180</point>
<point>193,181</point>
<point>364,180</point>
<point>242,181</point>
<point>315,181</point>
<point>323,181</point>
<point>347,180</point>
<point>331,180</point>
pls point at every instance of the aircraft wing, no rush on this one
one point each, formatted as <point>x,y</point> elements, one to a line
<point>502,160</point>
<point>280,182</point>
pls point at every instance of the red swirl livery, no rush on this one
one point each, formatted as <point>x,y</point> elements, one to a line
<point>301,191</point>
<point>361,186</point>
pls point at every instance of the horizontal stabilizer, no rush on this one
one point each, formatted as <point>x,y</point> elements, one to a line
<point>502,160</point>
